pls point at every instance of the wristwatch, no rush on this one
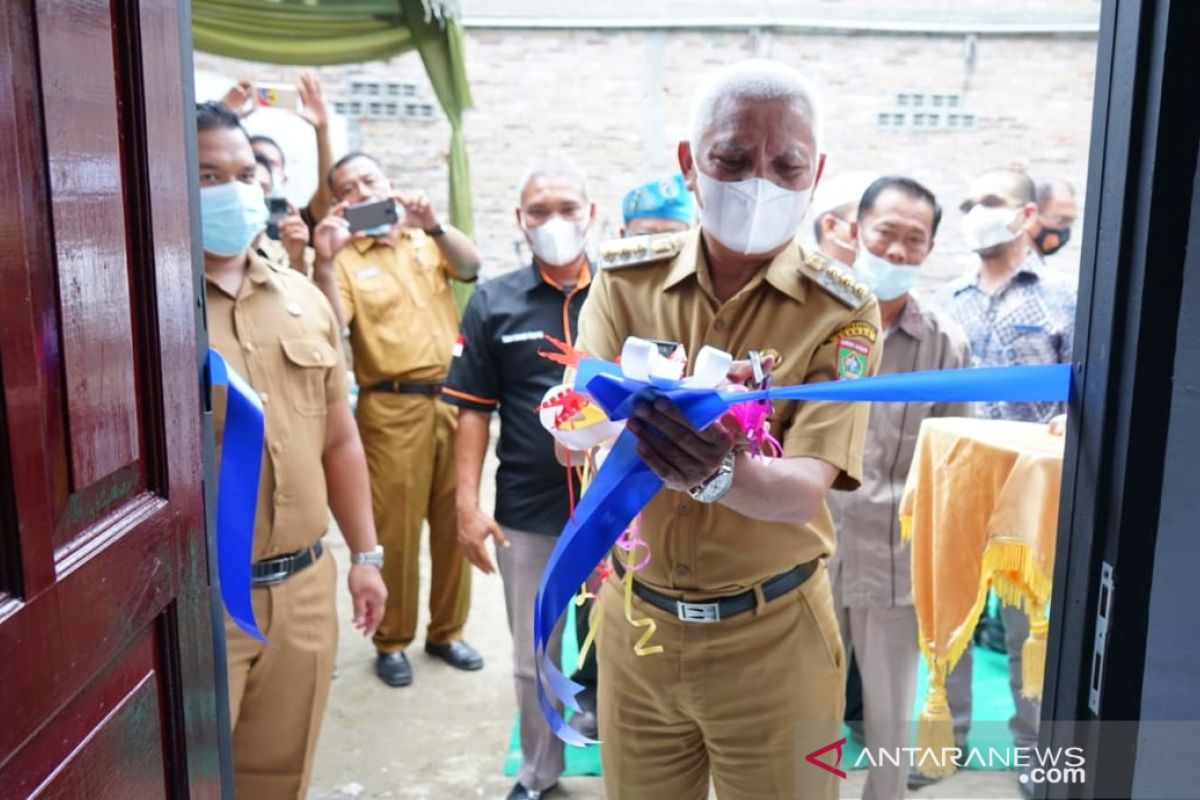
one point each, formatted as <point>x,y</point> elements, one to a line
<point>371,559</point>
<point>718,484</point>
<point>436,230</point>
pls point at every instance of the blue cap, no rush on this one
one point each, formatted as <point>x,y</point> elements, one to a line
<point>668,198</point>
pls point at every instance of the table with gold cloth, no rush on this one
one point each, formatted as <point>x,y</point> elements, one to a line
<point>981,509</point>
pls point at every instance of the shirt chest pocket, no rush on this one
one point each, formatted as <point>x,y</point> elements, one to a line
<point>379,294</point>
<point>307,361</point>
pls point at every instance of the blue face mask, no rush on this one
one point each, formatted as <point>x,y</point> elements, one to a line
<point>231,215</point>
<point>884,278</point>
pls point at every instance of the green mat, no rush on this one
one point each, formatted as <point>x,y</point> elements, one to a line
<point>991,700</point>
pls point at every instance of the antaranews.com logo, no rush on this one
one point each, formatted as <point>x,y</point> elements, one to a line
<point>1038,765</point>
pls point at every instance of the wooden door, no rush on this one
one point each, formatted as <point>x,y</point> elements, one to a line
<point>106,665</point>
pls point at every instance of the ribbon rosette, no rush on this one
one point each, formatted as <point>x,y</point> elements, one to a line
<point>624,484</point>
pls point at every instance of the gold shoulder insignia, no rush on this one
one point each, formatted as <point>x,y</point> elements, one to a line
<point>637,250</point>
<point>833,278</point>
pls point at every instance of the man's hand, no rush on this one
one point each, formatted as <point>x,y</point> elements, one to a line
<point>369,595</point>
<point>474,528</point>
<point>1058,425</point>
<point>332,234</point>
<point>418,211</point>
<point>678,453</point>
<point>240,99</point>
<point>293,235</point>
<point>312,102</point>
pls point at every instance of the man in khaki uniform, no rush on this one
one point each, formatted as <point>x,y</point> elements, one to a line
<point>393,291</point>
<point>279,333</point>
<point>751,674</point>
<point>872,571</point>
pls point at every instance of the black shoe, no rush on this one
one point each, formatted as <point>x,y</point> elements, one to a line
<point>919,780</point>
<point>393,669</point>
<point>519,792</point>
<point>457,654</point>
<point>585,724</point>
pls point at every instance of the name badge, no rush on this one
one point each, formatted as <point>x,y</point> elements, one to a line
<point>366,273</point>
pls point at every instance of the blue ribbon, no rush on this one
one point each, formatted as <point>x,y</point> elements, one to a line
<point>624,484</point>
<point>237,491</point>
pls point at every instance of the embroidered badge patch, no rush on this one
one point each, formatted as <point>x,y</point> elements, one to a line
<point>858,330</point>
<point>851,359</point>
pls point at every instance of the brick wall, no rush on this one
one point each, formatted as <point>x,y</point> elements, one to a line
<point>617,102</point>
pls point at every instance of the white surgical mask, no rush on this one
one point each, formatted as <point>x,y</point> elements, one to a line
<point>885,279</point>
<point>231,215</point>
<point>985,227</point>
<point>750,216</point>
<point>558,241</point>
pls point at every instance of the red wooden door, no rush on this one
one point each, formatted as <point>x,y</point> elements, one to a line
<point>106,666</point>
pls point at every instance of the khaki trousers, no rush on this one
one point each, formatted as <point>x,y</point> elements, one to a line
<point>741,701</point>
<point>277,691</point>
<point>409,442</point>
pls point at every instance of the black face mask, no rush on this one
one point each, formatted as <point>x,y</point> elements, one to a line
<point>1058,238</point>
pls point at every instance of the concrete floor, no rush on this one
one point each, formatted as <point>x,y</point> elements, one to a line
<point>445,737</point>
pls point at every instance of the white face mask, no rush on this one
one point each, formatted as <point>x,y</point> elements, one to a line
<point>558,241</point>
<point>985,227</point>
<point>887,280</point>
<point>750,216</point>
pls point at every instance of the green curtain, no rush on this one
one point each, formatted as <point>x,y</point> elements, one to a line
<point>321,32</point>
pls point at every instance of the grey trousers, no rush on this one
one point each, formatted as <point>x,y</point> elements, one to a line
<point>1024,724</point>
<point>884,641</point>
<point>521,565</point>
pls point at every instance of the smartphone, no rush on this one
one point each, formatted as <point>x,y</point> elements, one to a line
<point>371,214</point>
<point>277,211</point>
<point>276,95</point>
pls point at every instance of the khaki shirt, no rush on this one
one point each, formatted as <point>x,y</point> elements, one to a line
<point>710,549</point>
<point>872,566</point>
<point>273,251</point>
<point>280,334</point>
<point>398,304</point>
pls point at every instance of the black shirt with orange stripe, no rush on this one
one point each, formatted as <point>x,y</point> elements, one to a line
<point>498,364</point>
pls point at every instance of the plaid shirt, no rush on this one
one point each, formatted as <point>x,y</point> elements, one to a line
<point>1030,320</point>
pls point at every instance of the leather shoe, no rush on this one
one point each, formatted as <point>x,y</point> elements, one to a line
<point>457,654</point>
<point>585,724</point>
<point>393,669</point>
<point>519,792</point>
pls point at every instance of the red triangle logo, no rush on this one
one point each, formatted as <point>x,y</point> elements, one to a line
<point>815,756</point>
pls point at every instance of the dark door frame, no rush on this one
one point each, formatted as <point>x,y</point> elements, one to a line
<point>221,679</point>
<point>1145,134</point>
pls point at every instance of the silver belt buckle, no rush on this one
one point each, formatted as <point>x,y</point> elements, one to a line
<point>282,571</point>
<point>698,612</point>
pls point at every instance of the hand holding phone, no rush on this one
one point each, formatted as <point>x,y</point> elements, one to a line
<point>372,214</point>
<point>277,211</point>
<point>276,95</point>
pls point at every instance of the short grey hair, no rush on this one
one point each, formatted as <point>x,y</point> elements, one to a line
<point>553,166</point>
<point>753,79</point>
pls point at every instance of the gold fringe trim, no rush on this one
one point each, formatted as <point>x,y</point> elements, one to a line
<point>1033,655</point>
<point>640,647</point>
<point>1011,571</point>
<point>935,729</point>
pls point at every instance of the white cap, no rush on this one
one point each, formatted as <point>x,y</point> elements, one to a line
<point>841,190</point>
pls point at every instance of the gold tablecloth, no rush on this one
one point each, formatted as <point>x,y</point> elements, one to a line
<point>981,508</point>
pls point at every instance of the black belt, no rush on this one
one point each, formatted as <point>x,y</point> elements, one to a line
<point>719,608</point>
<point>270,571</point>
<point>396,387</point>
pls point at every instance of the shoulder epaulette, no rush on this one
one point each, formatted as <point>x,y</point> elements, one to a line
<point>833,278</point>
<point>635,250</point>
